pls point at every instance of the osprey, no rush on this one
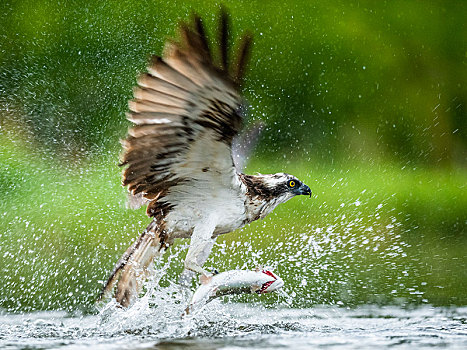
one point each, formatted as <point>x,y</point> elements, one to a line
<point>182,156</point>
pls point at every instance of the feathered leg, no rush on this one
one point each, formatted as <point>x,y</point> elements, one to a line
<point>199,256</point>
<point>201,244</point>
<point>132,269</point>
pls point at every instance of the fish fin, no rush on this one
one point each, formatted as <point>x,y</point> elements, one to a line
<point>255,288</point>
<point>188,311</point>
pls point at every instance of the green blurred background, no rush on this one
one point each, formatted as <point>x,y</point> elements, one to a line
<point>364,101</point>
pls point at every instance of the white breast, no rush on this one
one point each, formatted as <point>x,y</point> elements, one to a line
<point>210,196</point>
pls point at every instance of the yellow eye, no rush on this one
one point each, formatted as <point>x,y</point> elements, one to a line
<point>291,183</point>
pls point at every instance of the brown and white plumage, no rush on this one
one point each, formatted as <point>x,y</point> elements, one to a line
<point>187,110</point>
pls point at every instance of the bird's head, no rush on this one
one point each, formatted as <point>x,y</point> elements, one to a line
<point>268,191</point>
<point>287,185</point>
<point>278,187</point>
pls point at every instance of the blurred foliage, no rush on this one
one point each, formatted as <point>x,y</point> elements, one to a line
<point>364,101</point>
<point>333,79</point>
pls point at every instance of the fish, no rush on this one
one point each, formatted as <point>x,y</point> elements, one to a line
<point>231,282</point>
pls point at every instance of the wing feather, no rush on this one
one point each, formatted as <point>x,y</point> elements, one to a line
<point>139,106</point>
<point>151,82</point>
<point>160,69</point>
<point>183,107</point>
<point>157,97</point>
<point>223,38</point>
<point>242,58</point>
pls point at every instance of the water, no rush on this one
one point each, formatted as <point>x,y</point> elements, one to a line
<point>240,326</point>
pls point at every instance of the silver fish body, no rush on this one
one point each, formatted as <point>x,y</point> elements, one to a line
<point>233,282</point>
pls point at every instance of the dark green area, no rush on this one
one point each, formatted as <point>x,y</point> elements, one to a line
<point>334,79</point>
<point>365,101</point>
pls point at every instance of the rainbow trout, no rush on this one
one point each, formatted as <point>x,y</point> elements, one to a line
<point>233,282</point>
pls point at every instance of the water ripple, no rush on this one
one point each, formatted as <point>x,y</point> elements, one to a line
<point>235,326</point>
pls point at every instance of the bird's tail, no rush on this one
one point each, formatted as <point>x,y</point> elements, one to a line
<point>132,269</point>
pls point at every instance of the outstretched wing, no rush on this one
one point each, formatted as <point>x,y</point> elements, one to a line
<point>186,111</point>
<point>244,143</point>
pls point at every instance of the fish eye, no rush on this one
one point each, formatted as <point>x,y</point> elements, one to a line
<point>291,183</point>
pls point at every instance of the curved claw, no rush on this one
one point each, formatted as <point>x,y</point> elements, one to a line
<point>205,279</point>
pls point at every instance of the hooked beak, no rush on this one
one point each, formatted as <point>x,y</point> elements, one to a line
<point>305,190</point>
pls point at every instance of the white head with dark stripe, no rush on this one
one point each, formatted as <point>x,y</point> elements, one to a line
<point>285,185</point>
<point>274,189</point>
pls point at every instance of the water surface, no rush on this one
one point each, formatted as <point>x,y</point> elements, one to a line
<point>240,326</point>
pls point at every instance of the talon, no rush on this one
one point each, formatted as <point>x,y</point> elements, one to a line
<point>205,278</point>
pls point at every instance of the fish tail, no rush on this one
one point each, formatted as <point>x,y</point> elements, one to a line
<point>131,270</point>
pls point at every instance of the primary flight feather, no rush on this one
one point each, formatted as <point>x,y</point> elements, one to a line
<point>187,112</point>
